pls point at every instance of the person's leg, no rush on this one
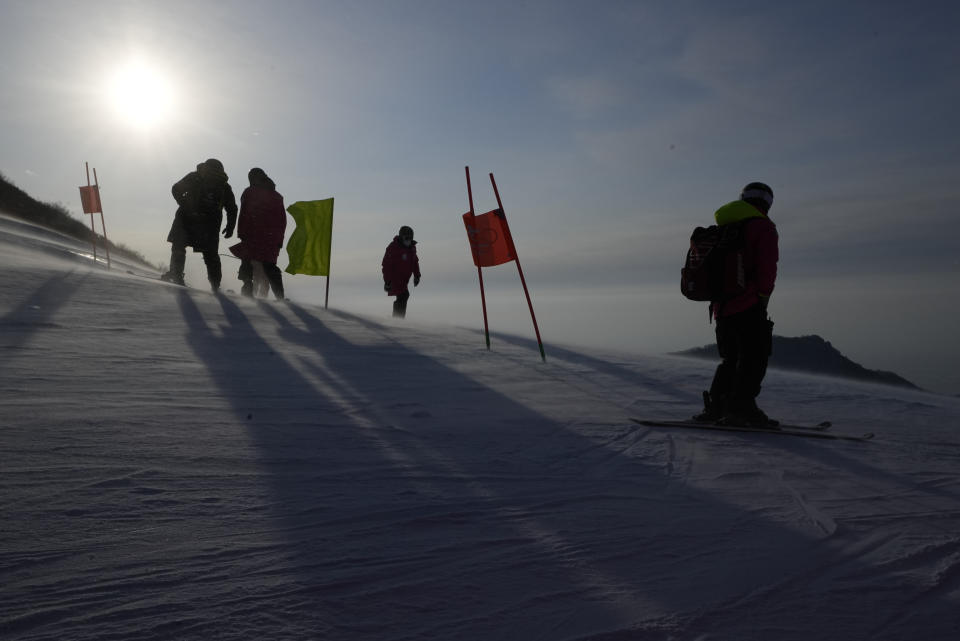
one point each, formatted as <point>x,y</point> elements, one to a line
<point>275,278</point>
<point>400,305</point>
<point>757,343</point>
<point>754,340</point>
<point>214,274</point>
<point>261,286</point>
<point>245,274</point>
<point>178,260</point>
<point>178,251</point>
<point>724,378</point>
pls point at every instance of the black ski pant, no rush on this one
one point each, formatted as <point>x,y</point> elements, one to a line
<point>270,270</point>
<point>178,261</point>
<point>400,304</point>
<point>744,341</point>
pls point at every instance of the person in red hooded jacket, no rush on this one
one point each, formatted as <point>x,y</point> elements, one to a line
<point>744,332</point>
<point>261,225</point>
<point>399,263</point>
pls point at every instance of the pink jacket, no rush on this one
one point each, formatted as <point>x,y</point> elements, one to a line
<point>761,252</point>
<point>261,225</point>
<point>399,263</point>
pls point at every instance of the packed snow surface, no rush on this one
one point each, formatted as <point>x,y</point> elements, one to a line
<point>183,465</point>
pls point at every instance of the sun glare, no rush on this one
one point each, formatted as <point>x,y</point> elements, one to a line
<point>140,95</point>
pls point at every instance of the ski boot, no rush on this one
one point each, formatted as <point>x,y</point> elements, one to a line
<point>170,277</point>
<point>712,411</point>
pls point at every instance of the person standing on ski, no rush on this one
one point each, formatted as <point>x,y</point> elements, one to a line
<point>744,331</point>
<point>399,263</point>
<point>261,226</point>
<point>201,196</point>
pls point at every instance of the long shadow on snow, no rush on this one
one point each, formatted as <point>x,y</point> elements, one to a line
<point>643,381</point>
<point>550,523</point>
<point>403,526</point>
<point>815,450</point>
<point>36,311</point>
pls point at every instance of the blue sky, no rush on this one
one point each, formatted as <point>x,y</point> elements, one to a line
<point>612,128</point>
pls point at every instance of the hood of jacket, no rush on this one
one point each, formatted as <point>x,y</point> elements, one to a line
<point>736,211</point>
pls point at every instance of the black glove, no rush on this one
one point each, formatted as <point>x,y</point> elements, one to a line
<point>416,280</point>
<point>228,231</point>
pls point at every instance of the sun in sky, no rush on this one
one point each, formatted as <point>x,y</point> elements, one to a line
<point>140,94</point>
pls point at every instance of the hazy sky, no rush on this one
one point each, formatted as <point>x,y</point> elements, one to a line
<point>612,128</point>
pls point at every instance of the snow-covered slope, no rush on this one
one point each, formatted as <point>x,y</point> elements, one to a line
<point>179,465</point>
<point>39,240</point>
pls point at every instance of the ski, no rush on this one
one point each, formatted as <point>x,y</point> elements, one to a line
<point>819,427</point>
<point>785,430</point>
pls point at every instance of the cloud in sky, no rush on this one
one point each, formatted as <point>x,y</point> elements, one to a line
<point>612,127</point>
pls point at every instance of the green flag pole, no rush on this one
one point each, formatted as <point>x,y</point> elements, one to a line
<point>326,297</point>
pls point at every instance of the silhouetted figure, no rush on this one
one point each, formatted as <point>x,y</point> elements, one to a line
<point>262,223</point>
<point>399,263</point>
<point>744,332</point>
<point>201,196</point>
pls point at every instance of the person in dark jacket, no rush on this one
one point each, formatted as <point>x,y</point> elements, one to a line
<point>201,196</point>
<point>399,263</point>
<point>744,331</point>
<point>261,226</point>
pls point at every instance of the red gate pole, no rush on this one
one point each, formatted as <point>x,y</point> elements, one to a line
<point>523,281</point>
<point>93,230</point>
<point>483,297</point>
<point>106,243</point>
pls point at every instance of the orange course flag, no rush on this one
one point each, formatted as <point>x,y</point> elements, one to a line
<point>90,199</point>
<point>490,240</point>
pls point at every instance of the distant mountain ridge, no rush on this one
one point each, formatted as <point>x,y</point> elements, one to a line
<point>812,354</point>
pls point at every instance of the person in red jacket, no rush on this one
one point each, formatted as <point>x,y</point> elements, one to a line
<point>260,226</point>
<point>399,263</point>
<point>744,331</point>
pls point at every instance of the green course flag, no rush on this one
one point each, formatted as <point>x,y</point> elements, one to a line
<point>309,245</point>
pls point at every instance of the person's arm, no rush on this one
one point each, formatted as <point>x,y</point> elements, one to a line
<point>230,204</point>
<point>181,188</point>
<point>282,221</point>
<point>768,254</point>
<point>242,222</point>
<point>386,266</point>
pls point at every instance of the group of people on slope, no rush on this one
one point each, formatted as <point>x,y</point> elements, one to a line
<point>744,331</point>
<point>202,197</point>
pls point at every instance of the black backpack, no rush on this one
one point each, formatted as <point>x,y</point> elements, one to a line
<point>714,268</point>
